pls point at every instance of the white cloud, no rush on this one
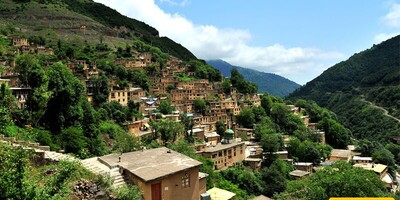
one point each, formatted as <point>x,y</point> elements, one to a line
<point>384,36</point>
<point>174,3</point>
<point>392,19</point>
<point>210,42</point>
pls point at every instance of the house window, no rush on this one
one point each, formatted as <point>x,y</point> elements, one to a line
<point>186,181</point>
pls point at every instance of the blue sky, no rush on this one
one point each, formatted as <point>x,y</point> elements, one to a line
<point>295,39</point>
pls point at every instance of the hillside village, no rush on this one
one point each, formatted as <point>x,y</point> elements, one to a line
<point>213,117</point>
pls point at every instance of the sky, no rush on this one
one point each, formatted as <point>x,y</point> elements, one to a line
<point>294,39</point>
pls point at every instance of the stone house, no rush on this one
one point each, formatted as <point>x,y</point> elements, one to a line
<point>226,155</point>
<point>17,41</point>
<point>160,173</point>
<point>304,166</point>
<point>21,95</point>
<point>379,169</point>
<point>340,154</point>
<point>138,127</point>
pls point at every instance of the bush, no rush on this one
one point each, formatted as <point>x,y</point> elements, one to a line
<point>129,192</point>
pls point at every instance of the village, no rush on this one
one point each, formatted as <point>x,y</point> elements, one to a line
<point>162,173</point>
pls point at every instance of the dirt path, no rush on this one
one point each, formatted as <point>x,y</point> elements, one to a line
<point>385,112</point>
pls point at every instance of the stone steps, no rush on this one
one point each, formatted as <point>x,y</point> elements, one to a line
<point>52,155</point>
<point>120,181</point>
<point>95,166</point>
<point>91,164</point>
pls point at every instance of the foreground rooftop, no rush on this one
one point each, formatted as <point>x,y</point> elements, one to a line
<point>151,164</point>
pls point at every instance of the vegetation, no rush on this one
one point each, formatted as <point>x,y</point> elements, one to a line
<point>237,80</point>
<point>202,70</point>
<point>340,180</point>
<point>59,114</point>
<point>267,82</point>
<point>371,75</point>
<point>22,181</point>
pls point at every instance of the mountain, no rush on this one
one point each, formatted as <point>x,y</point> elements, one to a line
<point>364,91</point>
<point>82,21</point>
<point>267,82</point>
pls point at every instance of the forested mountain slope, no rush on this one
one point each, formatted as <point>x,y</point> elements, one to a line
<point>83,21</point>
<point>372,75</point>
<point>267,82</point>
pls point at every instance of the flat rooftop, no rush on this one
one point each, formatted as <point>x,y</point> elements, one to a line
<point>378,168</point>
<point>151,164</point>
<point>341,153</point>
<point>220,147</point>
<point>211,134</point>
<point>302,163</point>
<point>362,158</point>
<point>299,173</point>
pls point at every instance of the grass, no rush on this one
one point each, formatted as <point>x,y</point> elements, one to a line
<point>54,21</point>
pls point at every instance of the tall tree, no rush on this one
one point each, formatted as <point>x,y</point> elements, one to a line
<point>63,109</point>
<point>101,89</point>
<point>199,105</point>
<point>328,182</point>
<point>220,128</point>
<point>188,123</point>
<point>6,104</point>
<point>336,134</point>
<point>165,107</point>
<point>246,118</point>
<point>168,130</point>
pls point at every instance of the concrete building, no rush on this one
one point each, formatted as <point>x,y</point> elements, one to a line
<point>298,174</point>
<point>379,169</point>
<point>21,95</point>
<point>360,159</point>
<point>160,173</point>
<point>226,155</point>
<point>340,154</point>
<point>304,166</point>
<point>220,194</point>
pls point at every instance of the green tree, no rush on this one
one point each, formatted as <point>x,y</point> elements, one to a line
<point>279,114</point>
<point>24,65</point>
<point>165,107</point>
<point>246,118</point>
<point>226,86</point>
<point>271,143</point>
<point>336,134</point>
<point>101,89</point>
<point>220,128</point>
<point>383,156</point>
<point>90,123</point>
<point>138,77</point>
<point>168,130</point>
<point>395,150</point>
<point>367,147</point>
<point>188,123</point>
<point>259,113</point>
<point>124,142</point>
<point>329,182</point>
<point>6,102</point>
<point>265,126</point>
<point>72,140</point>
<point>241,84</point>
<point>245,178</point>
<point>63,108</point>
<point>199,105</point>
<point>275,177</point>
